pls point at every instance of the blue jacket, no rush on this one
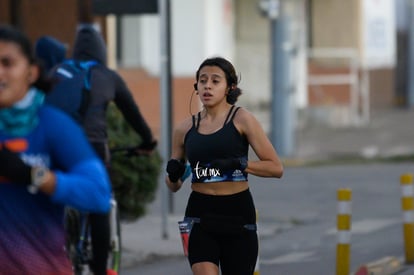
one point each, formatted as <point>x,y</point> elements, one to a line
<point>32,232</point>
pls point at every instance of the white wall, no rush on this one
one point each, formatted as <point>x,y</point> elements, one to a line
<point>252,52</point>
<point>298,41</point>
<point>130,36</point>
<point>219,28</point>
<point>378,39</point>
<point>199,29</point>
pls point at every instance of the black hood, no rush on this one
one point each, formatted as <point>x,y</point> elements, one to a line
<point>89,45</point>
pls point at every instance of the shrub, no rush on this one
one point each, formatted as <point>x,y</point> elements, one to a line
<point>134,178</point>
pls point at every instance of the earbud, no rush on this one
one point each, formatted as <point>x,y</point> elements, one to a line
<point>195,86</point>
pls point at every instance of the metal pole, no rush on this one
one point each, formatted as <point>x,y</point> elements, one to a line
<point>410,76</point>
<point>169,82</point>
<point>276,112</point>
<point>282,107</point>
<point>165,103</point>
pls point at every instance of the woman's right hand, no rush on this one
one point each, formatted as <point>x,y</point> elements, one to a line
<point>175,169</point>
<point>13,168</point>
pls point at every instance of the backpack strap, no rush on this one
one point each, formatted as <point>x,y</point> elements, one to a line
<point>82,65</point>
<point>87,65</point>
<point>86,89</point>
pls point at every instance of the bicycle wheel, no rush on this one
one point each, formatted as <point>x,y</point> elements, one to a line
<point>73,232</point>
<point>114,257</point>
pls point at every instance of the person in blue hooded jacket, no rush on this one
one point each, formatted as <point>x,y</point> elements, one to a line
<point>50,51</point>
<point>106,86</point>
<point>46,163</point>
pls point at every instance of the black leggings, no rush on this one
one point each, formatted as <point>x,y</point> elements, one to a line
<point>100,228</point>
<point>100,234</point>
<point>232,248</point>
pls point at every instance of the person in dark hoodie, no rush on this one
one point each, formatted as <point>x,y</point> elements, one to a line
<point>106,86</point>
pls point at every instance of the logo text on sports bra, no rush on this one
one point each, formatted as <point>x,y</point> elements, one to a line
<point>206,172</point>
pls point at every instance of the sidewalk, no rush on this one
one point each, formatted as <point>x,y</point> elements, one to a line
<point>143,241</point>
<point>385,266</point>
<point>389,134</point>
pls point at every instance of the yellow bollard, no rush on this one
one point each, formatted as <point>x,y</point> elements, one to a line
<point>407,204</point>
<point>344,232</point>
<point>256,268</point>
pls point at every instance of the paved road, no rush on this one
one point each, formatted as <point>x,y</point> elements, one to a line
<point>297,214</point>
<point>297,221</point>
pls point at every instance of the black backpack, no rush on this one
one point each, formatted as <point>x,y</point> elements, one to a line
<point>71,92</point>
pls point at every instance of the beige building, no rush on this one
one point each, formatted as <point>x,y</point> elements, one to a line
<point>368,26</point>
<point>342,53</point>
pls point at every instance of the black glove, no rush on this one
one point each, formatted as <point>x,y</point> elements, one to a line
<point>175,169</point>
<point>229,164</point>
<point>13,168</point>
<point>148,146</point>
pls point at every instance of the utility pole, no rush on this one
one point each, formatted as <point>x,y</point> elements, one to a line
<point>282,110</point>
<point>410,73</point>
<point>165,103</point>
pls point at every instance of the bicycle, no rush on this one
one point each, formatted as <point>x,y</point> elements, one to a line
<point>78,242</point>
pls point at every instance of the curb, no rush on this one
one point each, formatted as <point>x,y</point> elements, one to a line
<point>385,266</point>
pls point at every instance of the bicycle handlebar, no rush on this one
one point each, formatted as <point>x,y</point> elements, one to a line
<point>128,150</point>
<point>144,149</point>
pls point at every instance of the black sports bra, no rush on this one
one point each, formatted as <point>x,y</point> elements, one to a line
<point>201,149</point>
